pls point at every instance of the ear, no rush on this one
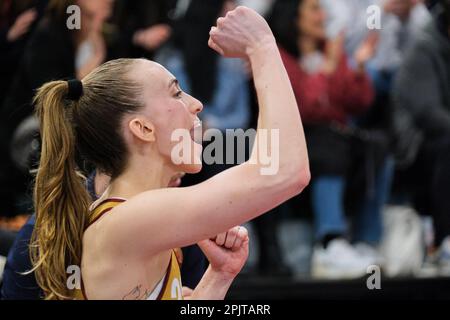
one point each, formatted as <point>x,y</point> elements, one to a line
<point>142,129</point>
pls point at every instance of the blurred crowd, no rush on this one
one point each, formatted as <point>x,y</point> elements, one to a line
<point>375,103</point>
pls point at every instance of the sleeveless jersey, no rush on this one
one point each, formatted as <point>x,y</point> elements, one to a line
<point>168,288</point>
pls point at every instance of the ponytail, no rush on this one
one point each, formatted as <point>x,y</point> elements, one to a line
<point>70,129</point>
<point>60,197</point>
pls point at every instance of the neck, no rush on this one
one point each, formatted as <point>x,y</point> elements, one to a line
<point>306,45</point>
<point>140,177</point>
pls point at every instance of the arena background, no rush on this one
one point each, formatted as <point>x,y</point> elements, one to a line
<point>376,215</point>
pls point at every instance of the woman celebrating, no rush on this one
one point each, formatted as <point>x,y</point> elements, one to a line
<point>121,117</point>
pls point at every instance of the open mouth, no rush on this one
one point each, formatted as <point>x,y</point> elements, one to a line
<point>197,132</point>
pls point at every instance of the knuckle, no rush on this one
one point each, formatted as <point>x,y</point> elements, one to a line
<point>231,14</point>
<point>220,22</point>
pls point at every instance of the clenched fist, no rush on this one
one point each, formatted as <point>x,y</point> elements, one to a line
<point>240,33</point>
<point>228,252</point>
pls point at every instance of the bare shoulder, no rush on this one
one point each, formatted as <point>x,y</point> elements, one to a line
<point>109,275</point>
<point>111,271</point>
<point>116,223</point>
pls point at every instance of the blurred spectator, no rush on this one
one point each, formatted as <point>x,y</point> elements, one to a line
<point>422,100</point>
<point>400,23</point>
<point>143,26</point>
<point>53,52</point>
<point>17,21</point>
<point>329,94</point>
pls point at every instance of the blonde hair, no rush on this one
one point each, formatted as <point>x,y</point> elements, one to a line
<point>89,127</point>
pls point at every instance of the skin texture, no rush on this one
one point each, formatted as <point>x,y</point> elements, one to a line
<point>118,253</point>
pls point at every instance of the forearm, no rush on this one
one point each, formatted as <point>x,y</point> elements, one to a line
<point>212,286</point>
<point>278,108</point>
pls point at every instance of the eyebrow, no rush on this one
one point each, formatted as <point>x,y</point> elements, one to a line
<point>173,82</point>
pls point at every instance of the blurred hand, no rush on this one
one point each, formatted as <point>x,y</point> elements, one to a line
<point>21,25</point>
<point>334,49</point>
<point>152,37</point>
<point>240,33</point>
<point>367,49</point>
<point>228,252</point>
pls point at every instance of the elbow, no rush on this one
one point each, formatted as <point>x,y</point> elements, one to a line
<point>286,183</point>
<point>298,180</point>
<point>301,180</point>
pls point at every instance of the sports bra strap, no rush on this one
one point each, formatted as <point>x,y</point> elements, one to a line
<point>103,207</point>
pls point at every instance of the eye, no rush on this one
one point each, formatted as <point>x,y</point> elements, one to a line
<point>178,94</point>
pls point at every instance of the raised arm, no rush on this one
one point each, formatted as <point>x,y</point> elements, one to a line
<point>182,216</point>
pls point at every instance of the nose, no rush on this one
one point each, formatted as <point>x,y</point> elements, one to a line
<point>195,106</point>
